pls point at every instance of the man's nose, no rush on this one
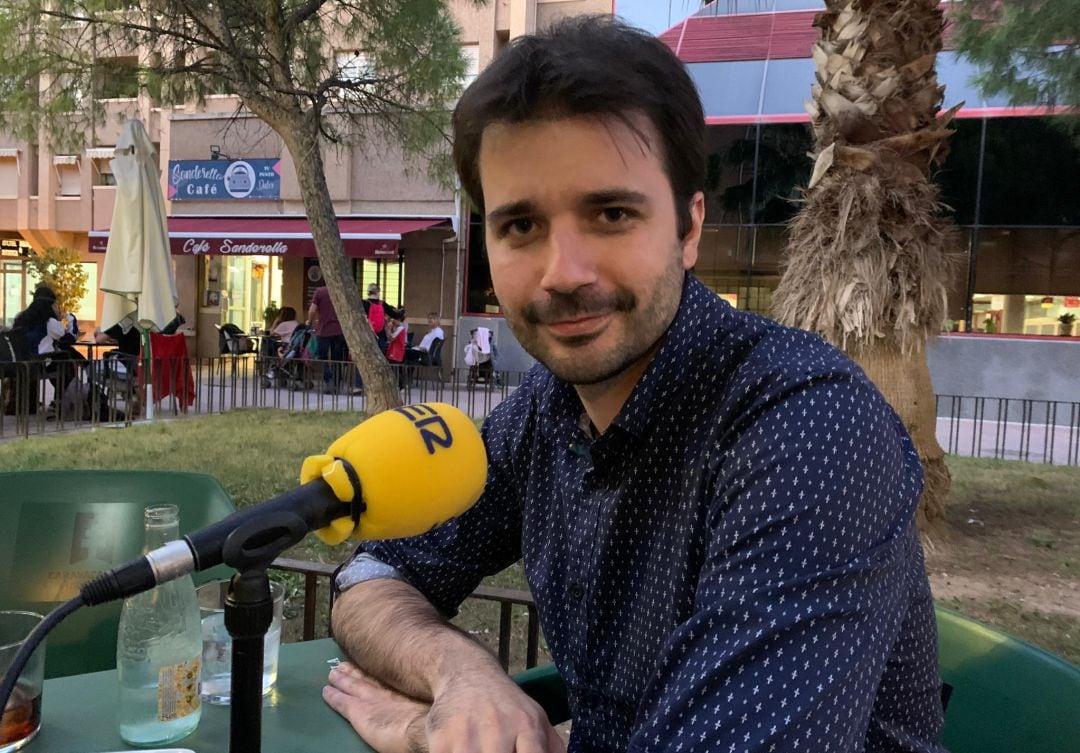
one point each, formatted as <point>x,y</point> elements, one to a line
<point>569,261</point>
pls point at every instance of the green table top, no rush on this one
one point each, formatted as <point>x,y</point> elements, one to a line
<point>79,712</point>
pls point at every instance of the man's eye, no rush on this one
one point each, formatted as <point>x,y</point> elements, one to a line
<point>518,227</point>
<point>614,214</point>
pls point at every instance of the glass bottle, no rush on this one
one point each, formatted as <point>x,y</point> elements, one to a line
<point>158,650</point>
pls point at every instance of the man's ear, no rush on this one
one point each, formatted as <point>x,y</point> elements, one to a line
<point>693,238</point>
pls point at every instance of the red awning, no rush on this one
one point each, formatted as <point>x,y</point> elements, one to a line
<point>279,236</point>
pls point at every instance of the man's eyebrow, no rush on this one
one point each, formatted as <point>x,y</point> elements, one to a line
<point>609,196</point>
<point>513,209</point>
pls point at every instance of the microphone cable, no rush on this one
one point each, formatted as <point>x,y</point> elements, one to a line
<point>37,635</point>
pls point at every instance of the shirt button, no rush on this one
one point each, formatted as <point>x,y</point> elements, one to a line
<point>577,591</point>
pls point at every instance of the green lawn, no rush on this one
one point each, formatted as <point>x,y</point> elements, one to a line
<point>1012,558</point>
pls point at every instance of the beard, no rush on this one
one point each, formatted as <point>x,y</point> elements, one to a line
<point>637,327</point>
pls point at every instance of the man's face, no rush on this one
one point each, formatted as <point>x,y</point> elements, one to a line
<point>582,241</point>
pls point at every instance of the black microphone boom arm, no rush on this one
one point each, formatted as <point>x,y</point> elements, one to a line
<point>247,538</point>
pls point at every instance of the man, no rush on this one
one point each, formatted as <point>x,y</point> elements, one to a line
<point>422,352</point>
<point>329,338</point>
<point>375,308</point>
<point>714,511</point>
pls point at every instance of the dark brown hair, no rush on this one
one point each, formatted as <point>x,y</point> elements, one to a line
<point>588,66</point>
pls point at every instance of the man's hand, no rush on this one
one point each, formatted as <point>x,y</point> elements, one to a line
<point>486,714</point>
<point>387,720</point>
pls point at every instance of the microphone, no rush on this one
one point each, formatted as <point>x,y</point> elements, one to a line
<point>400,473</point>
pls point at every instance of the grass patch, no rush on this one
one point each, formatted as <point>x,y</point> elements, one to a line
<point>1007,519</point>
<point>1025,514</point>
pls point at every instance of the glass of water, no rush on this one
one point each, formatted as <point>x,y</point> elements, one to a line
<point>215,679</point>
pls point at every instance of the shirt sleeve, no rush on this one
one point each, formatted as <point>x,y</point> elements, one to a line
<point>448,563</point>
<point>55,328</point>
<point>805,585</point>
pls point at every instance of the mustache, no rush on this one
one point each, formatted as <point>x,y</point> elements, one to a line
<point>560,307</point>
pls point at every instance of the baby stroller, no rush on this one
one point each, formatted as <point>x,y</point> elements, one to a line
<point>290,370</point>
<point>480,355</point>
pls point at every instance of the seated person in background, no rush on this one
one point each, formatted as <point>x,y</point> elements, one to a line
<point>282,330</point>
<point>125,335</point>
<point>285,324</point>
<point>422,352</point>
<point>396,333</point>
<point>48,335</point>
<point>176,323</point>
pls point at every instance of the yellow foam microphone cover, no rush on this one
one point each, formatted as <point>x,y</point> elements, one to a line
<point>418,467</point>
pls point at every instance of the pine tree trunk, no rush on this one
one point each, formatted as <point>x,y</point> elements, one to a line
<point>870,254</point>
<point>380,383</point>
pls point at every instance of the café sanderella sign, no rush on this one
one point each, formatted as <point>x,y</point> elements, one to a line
<point>222,180</point>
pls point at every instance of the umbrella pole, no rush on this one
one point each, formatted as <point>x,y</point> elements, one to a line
<point>147,376</point>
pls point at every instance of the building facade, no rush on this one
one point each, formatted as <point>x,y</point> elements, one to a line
<point>236,219</point>
<point>1011,181</point>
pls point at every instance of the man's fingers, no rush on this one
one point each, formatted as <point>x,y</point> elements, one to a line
<point>342,703</point>
<point>555,743</point>
<point>350,680</point>
<point>543,740</point>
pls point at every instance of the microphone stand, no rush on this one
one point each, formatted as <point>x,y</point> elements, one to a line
<point>249,610</point>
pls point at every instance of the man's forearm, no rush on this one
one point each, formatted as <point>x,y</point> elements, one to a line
<point>392,632</point>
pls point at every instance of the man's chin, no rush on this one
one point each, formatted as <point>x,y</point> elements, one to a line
<point>580,370</point>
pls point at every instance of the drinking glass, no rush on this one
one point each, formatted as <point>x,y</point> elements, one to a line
<point>215,678</point>
<point>21,719</point>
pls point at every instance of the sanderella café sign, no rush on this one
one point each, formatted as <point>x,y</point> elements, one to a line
<point>214,180</point>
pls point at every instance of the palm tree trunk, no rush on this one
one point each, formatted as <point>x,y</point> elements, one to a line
<point>904,380</point>
<point>869,256</point>
<point>380,384</point>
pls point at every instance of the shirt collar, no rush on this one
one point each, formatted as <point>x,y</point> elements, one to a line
<point>684,344</point>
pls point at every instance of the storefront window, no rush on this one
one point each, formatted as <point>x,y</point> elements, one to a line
<point>389,275</point>
<point>783,169</point>
<point>1031,277</point>
<point>958,176</point>
<point>1031,173</point>
<point>242,287</point>
<point>729,174</point>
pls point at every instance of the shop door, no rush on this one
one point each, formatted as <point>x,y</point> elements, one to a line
<point>13,282</point>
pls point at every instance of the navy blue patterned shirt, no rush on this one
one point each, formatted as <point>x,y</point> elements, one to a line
<point>731,566</point>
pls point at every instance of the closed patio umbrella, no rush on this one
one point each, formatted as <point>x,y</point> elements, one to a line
<point>137,276</point>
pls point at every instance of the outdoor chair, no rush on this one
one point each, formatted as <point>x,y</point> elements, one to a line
<point>59,528</point>
<point>1003,695</point>
<point>232,341</point>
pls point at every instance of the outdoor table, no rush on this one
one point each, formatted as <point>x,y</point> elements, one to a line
<point>79,712</point>
<point>92,348</point>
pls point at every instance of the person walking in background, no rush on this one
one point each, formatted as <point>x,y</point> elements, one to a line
<point>376,310</point>
<point>329,339</point>
<point>422,352</point>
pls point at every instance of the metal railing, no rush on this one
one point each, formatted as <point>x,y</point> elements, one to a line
<point>1035,431</point>
<point>35,397</point>
<point>506,598</point>
<point>36,400</point>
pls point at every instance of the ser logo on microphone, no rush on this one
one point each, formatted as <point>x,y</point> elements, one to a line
<point>433,429</point>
